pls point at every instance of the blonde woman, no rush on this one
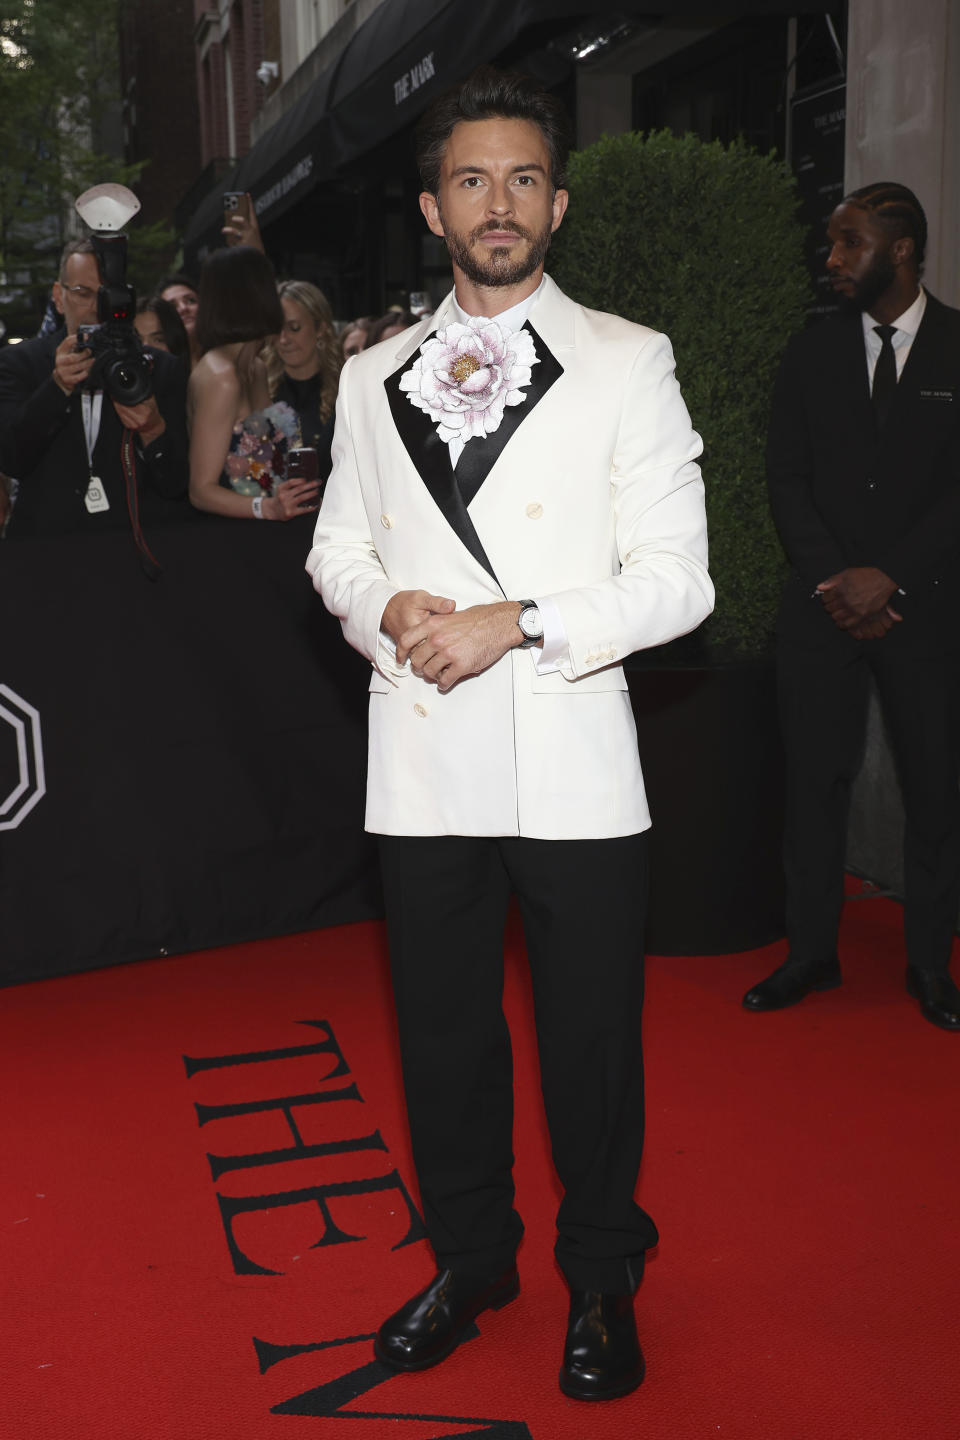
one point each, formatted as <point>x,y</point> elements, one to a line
<point>303,364</point>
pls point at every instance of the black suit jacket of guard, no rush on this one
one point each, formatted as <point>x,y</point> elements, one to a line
<point>42,445</point>
<point>843,494</point>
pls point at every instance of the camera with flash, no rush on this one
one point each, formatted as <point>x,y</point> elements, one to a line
<point>121,366</point>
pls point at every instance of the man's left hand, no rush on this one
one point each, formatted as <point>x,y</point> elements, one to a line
<point>853,594</point>
<point>874,627</point>
<point>144,419</point>
<point>446,648</point>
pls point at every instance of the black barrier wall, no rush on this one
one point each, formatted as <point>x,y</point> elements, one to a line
<point>182,763</point>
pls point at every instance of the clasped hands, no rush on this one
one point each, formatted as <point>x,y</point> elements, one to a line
<point>444,644</point>
<point>857,600</point>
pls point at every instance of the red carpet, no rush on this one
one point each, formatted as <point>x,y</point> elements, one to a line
<point>803,1167</point>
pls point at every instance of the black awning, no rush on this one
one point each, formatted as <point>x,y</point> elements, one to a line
<point>409,51</point>
<point>295,154</point>
<point>400,59</point>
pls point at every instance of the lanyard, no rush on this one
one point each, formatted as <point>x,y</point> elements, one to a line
<point>92,406</point>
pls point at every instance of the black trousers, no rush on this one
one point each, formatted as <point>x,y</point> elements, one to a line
<point>583,904</point>
<point>823,705</point>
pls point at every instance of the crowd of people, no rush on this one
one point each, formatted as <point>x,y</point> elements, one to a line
<point>240,423</point>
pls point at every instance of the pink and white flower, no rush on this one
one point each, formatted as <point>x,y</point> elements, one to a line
<point>465,376</point>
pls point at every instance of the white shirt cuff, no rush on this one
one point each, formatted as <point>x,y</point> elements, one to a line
<point>556,646</point>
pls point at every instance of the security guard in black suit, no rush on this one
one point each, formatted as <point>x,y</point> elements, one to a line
<point>864,478</point>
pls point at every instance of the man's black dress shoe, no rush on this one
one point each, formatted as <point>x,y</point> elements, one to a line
<point>431,1325</point>
<point>602,1358</point>
<point>939,997</point>
<point>790,983</point>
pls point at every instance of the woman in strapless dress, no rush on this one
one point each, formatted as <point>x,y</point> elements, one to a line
<point>238,438</point>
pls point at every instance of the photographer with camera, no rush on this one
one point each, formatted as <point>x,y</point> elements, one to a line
<point>92,425</point>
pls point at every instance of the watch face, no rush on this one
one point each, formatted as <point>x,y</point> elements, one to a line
<point>531,622</point>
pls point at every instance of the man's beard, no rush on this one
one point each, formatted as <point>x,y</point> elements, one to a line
<point>871,285</point>
<point>500,267</point>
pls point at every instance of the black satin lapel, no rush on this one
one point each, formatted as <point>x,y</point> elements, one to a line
<point>431,457</point>
<point>480,455</point>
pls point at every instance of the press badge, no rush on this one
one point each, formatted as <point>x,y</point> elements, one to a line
<point>96,497</point>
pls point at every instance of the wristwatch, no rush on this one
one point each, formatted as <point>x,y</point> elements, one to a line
<point>531,623</point>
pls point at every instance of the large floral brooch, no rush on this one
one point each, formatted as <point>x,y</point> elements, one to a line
<point>465,375</point>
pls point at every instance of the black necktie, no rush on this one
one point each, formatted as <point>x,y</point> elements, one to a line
<point>885,375</point>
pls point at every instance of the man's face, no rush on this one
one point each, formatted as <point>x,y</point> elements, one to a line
<point>496,207</point>
<point>76,296</point>
<point>862,264</point>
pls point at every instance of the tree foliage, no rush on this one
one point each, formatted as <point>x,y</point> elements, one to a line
<point>59,134</point>
<point>701,241</point>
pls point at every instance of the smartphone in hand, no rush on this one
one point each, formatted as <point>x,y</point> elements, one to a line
<point>236,202</point>
<point>303,464</point>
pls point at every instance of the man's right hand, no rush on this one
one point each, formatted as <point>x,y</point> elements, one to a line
<point>411,607</point>
<point>71,366</point>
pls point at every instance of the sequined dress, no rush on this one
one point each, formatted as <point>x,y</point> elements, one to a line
<point>257,459</point>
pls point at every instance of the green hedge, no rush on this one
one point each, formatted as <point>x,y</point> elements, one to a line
<point>701,241</point>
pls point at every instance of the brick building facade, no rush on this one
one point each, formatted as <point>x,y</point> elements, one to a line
<point>160,112</point>
<point>230,46</point>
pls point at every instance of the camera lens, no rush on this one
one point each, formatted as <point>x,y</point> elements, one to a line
<point>129,379</point>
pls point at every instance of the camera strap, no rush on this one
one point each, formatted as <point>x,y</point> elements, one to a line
<point>128,460</point>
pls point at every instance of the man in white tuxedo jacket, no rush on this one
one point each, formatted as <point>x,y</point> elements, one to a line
<point>515,506</point>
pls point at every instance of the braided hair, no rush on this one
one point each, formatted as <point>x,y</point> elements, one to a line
<point>895,208</point>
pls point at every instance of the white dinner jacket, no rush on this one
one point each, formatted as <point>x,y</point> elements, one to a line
<point>595,501</point>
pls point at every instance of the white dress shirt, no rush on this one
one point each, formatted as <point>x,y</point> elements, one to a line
<point>554,635</point>
<point>905,326</point>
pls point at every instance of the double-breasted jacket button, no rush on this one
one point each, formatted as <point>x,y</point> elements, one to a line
<point>534,510</point>
<point>386,521</point>
<point>420,710</point>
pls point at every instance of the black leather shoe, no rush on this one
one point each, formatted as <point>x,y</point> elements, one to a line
<point>431,1325</point>
<point>602,1358</point>
<point>939,997</point>
<point>790,983</point>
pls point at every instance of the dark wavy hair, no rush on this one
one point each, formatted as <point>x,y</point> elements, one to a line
<point>897,209</point>
<point>238,298</point>
<point>174,333</point>
<point>178,277</point>
<point>490,94</point>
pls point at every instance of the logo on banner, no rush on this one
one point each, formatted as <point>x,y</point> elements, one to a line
<point>352,1182</point>
<point>30,785</point>
<point>300,172</point>
<point>413,78</point>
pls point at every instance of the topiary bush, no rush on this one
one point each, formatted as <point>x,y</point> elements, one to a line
<point>702,241</point>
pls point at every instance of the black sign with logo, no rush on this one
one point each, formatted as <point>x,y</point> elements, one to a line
<point>817,134</point>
